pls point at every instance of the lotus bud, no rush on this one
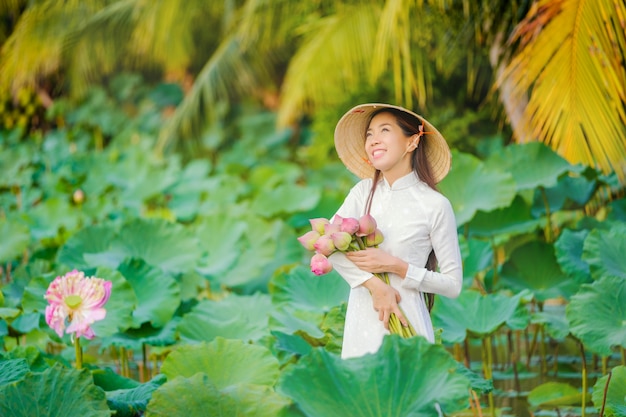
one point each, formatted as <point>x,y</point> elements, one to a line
<point>324,245</point>
<point>318,224</point>
<point>308,239</point>
<point>374,239</point>
<point>350,225</point>
<point>320,264</point>
<point>330,228</point>
<point>367,225</point>
<point>341,240</point>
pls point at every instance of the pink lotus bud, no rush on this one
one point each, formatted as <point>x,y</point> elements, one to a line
<point>341,240</point>
<point>330,228</point>
<point>308,239</point>
<point>350,225</point>
<point>320,264</point>
<point>324,245</point>
<point>318,225</point>
<point>367,225</point>
<point>337,219</point>
<point>374,239</point>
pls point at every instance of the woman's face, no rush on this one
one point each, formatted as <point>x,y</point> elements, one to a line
<point>388,148</point>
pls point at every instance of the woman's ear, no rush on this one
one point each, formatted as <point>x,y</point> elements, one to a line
<point>415,140</point>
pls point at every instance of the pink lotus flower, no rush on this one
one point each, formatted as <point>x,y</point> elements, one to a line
<point>331,228</point>
<point>78,301</point>
<point>320,264</point>
<point>367,225</point>
<point>308,239</point>
<point>350,225</point>
<point>318,224</point>
<point>374,239</point>
<point>341,240</point>
<point>324,245</point>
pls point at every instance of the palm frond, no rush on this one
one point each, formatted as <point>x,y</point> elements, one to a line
<point>570,68</point>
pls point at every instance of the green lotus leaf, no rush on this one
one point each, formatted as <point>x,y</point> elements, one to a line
<point>4,329</point>
<point>131,402</point>
<point>15,163</point>
<point>384,384</point>
<point>49,217</point>
<point>501,224</point>
<point>27,322</point>
<point>291,344</point>
<point>569,251</point>
<point>197,396</point>
<point>472,186</point>
<point>109,380</point>
<point>33,296</point>
<point>597,315</point>
<point>478,257</point>
<point>533,266</point>
<point>604,251</point>
<point>554,321</point>
<point>120,306</point>
<point>170,246</point>
<point>547,165</point>
<point>58,391</point>
<point>221,238</point>
<point>90,247</point>
<point>225,362</point>
<point>293,198</point>
<point>290,320</point>
<point>480,314</point>
<point>15,239</point>
<point>301,288</point>
<point>9,312</point>
<point>570,193</point>
<point>554,394</point>
<point>617,210</point>
<point>265,177</point>
<point>615,405</point>
<point>32,355</point>
<point>242,317</point>
<point>158,294</point>
<point>12,370</point>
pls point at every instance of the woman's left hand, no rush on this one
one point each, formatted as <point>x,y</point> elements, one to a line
<point>376,260</point>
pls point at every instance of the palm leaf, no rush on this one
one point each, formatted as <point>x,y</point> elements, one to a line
<point>570,69</point>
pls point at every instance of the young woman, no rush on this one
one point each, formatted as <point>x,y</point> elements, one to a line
<point>400,158</point>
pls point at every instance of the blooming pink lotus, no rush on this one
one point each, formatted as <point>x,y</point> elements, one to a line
<point>77,300</point>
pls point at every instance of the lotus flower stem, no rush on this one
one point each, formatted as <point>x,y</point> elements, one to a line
<point>79,353</point>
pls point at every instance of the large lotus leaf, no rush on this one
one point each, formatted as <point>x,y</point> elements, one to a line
<point>473,312</point>
<point>91,247</point>
<point>186,193</point>
<point>15,239</point>
<point>120,306</point>
<point>27,322</point>
<point>288,319</point>
<point>170,246</point>
<point>554,321</point>
<point>569,251</point>
<point>158,294</point>
<point>32,355</point>
<point>135,339</point>
<point>405,378</point>
<point>301,288</point>
<point>533,266</point>
<point>33,296</point>
<point>47,218</point>
<point>547,165</point>
<point>264,177</point>
<point>198,397</point>
<point>57,391</point>
<point>604,251</point>
<point>12,370</point>
<point>571,193</point>
<point>597,315</point>
<point>242,317</point>
<point>504,223</point>
<point>131,402</point>
<point>478,257</point>
<point>554,394</point>
<point>293,198</point>
<point>220,236</point>
<point>15,163</point>
<point>226,362</point>
<point>109,380</point>
<point>615,405</point>
<point>471,186</point>
<point>617,210</point>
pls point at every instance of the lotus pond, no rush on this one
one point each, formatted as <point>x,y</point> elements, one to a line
<point>213,310</point>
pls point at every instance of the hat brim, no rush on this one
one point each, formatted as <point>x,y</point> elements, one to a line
<point>350,142</point>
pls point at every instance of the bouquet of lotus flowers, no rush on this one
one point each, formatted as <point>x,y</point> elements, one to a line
<point>347,234</point>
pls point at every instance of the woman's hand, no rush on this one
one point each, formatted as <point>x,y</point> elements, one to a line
<point>376,260</point>
<point>385,300</point>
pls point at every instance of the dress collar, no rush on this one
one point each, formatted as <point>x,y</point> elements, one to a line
<point>409,180</point>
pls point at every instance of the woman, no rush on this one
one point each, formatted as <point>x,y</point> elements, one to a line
<point>400,158</point>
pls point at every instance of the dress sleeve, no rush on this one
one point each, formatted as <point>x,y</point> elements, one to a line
<point>445,241</point>
<point>351,207</point>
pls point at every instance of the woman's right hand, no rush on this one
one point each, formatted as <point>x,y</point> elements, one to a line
<point>385,300</point>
